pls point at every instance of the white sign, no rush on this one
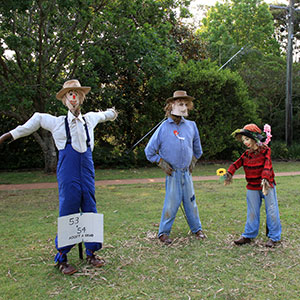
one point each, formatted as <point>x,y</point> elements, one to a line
<point>81,227</point>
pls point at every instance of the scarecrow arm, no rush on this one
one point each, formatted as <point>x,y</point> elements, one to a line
<point>5,137</point>
<point>228,178</point>
<point>111,114</point>
<point>193,163</point>
<point>267,171</point>
<point>165,166</point>
<point>265,186</point>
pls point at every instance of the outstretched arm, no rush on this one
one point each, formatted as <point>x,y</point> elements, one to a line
<point>101,116</point>
<point>5,137</point>
<point>111,114</point>
<point>232,168</point>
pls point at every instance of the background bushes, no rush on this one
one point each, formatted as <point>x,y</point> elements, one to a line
<point>221,105</point>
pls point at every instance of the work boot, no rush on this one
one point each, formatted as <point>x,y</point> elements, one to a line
<point>95,261</point>
<point>200,235</point>
<point>270,243</point>
<point>65,268</point>
<point>242,240</point>
<point>165,239</point>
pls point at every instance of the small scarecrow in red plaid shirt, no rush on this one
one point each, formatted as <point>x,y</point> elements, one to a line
<point>257,164</point>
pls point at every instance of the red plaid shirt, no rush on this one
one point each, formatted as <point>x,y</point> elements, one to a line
<point>257,166</point>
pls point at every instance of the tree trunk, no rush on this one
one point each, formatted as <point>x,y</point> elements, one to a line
<point>46,142</point>
<point>50,156</point>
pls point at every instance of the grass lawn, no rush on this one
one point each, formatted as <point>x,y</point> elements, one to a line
<point>138,265</point>
<point>202,169</point>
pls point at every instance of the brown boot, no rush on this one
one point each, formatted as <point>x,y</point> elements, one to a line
<point>95,261</point>
<point>270,243</point>
<point>242,240</point>
<point>200,235</point>
<point>65,268</point>
<point>165,239</point>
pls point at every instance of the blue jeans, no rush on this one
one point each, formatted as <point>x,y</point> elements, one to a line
<point>179,188</point>
<point>254,200</point>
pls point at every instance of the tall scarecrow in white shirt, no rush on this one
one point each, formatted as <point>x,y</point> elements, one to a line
<point>175,146</point>
<point>74,138</point>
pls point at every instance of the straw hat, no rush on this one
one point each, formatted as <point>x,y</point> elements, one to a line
<point>180,95</point>
<point>69,85</point>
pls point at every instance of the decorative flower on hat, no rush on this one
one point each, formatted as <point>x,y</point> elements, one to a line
<point>267,130</point>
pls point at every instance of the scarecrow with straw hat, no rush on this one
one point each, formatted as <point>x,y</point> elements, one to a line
<point>257,164</point>
<point>74,138</point>
<point>175,146</point>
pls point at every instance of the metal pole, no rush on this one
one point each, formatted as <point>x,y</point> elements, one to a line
<point>288,102</point>
<point>128,151</point>
<point>231,58</point>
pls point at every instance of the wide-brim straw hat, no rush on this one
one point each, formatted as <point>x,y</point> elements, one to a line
<point>180,95</point>
<point>72,84</point>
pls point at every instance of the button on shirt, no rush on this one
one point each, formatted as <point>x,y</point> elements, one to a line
<point>56,125</point>
<point>176,144</point>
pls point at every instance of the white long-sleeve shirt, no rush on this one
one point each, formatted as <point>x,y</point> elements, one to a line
<point>56,125</point>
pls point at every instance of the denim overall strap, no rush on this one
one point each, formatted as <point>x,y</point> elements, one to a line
<point>69,135</point>
<point>67,131</point>
<point>87,133</point>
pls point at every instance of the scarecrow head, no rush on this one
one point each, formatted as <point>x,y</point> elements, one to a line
<point>72,94</point>
<point>251,135</point>
<point>179,105</point>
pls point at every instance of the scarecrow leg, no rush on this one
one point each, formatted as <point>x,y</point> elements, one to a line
<point>184,214</point>
<point>267,230</point>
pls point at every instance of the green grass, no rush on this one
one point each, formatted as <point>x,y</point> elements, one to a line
<point>202,169</point>
<point>138,265</point>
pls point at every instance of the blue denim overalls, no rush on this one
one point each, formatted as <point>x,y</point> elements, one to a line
<point>76,186</point>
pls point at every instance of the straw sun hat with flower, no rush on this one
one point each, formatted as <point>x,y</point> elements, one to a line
<point>252,131</point>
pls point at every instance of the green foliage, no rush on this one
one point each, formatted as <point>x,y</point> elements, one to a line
<point>20,154</point>
<point>281,26</point>
<point>281,151</point>
<point>122,49</point>
<point>250,24</point>
<point>134,54</point>
<point>233,24</point>
<point>265,76</point>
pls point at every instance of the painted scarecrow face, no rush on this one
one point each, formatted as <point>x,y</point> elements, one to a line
<point>72,100</point>
<point>180,108</point>
<point>248,142</point>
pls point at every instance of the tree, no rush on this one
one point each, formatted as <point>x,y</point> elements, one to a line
<point>266,80</point>
<point>237,23</point>
<point>281,24</point>
<point>120,48</point>
<point>44,40</point>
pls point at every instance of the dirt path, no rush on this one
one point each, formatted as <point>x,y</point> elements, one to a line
<point>50,185</point>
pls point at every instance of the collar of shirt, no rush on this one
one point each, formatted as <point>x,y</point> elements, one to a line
<point>71,117</point>
<point>170,120</point>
